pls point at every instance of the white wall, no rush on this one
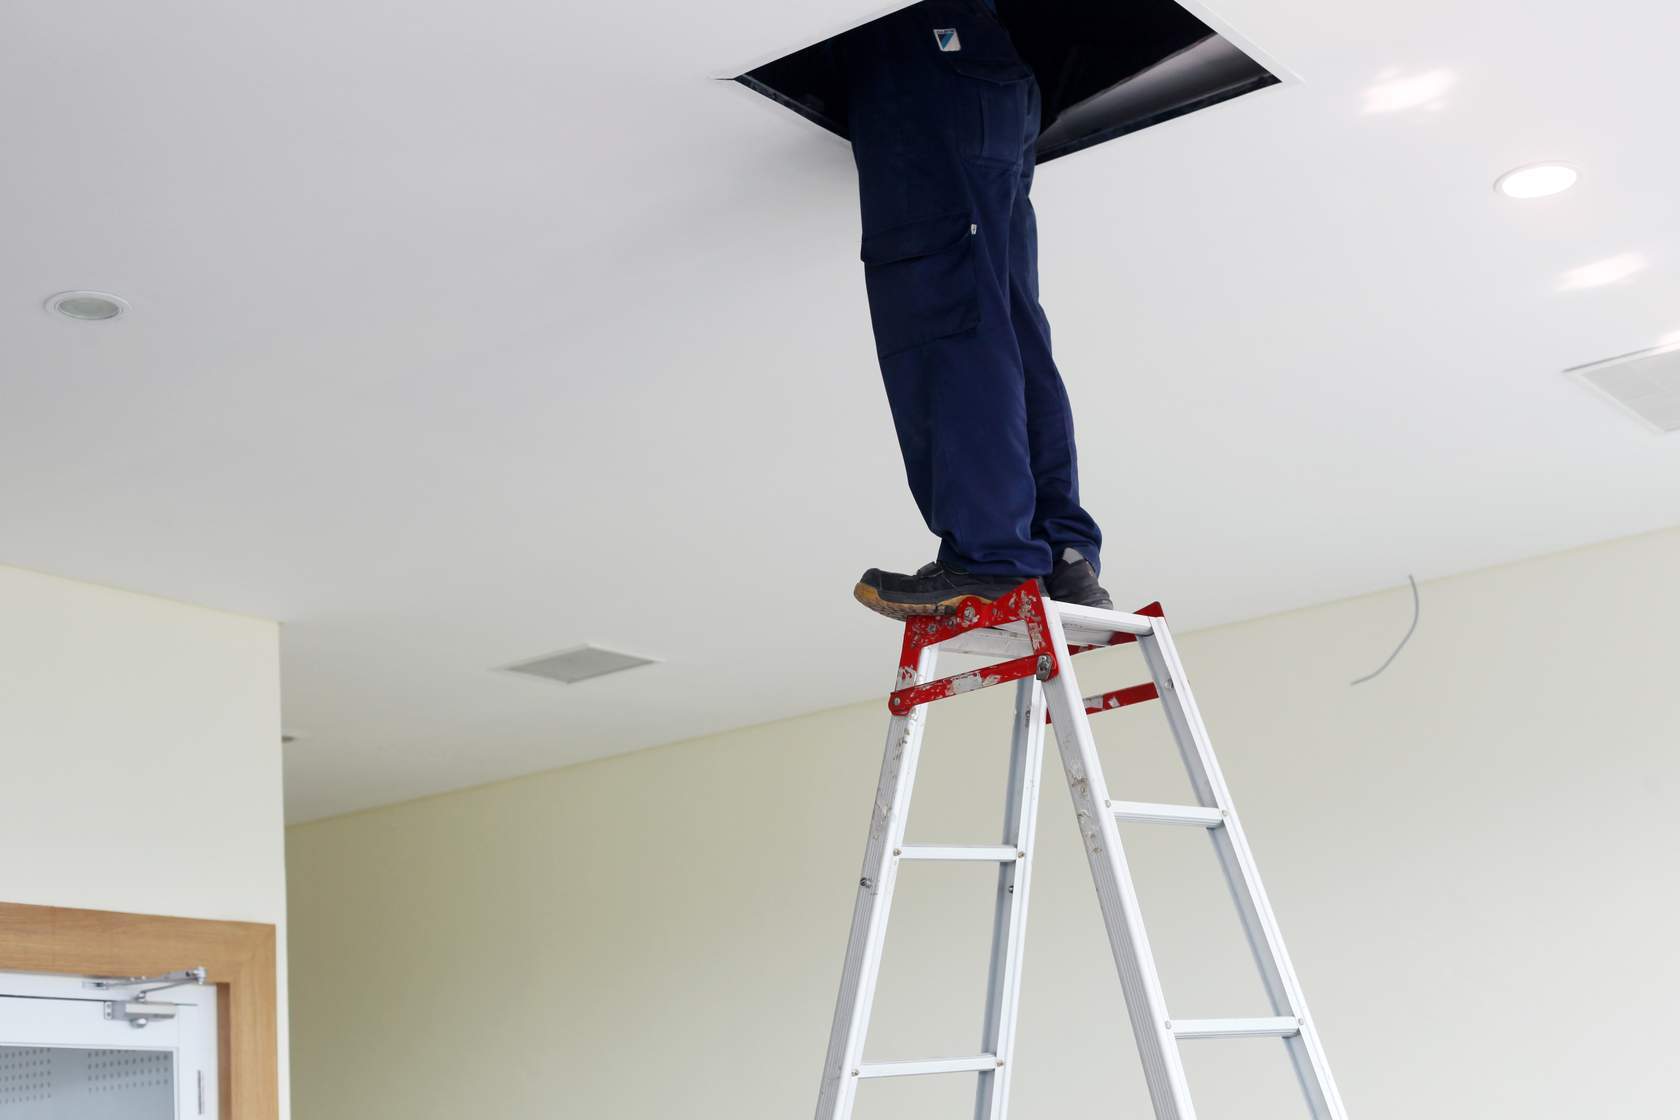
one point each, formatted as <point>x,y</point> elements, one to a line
<point>140,756</point>
<point>1472,857</point>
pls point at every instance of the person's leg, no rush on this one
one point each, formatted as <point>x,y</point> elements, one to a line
<point>1059,519</point>
<point>935,133</point>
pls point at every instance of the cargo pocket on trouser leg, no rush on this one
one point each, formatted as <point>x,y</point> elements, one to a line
<point>1002,92</point>
<point>922,282</point>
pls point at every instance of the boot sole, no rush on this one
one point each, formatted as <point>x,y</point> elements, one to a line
<point>903,612</point>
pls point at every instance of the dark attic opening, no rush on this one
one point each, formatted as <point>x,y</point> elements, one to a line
<point>1105,68</point>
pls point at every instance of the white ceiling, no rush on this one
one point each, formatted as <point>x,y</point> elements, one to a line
<point>467,332</point>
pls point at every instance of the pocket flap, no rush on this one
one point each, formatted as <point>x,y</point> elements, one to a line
<point>1001,70</point>
<point>916,239</point>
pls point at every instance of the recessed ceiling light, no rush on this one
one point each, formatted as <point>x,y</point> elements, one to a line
<point>89,307</point>
<point>1537,180</point>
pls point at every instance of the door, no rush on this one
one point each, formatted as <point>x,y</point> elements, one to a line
<point>62,1059</point>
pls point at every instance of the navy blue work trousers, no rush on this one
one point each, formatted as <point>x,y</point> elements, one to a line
<point>944,120</point>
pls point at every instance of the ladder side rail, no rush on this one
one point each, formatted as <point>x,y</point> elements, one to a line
<point>1242,875</point>
<point>862,968</point>
<point>1009,925</point>
<point>1163,1066</point>
<point>1208,786</point>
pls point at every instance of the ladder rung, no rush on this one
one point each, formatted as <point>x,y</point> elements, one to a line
<point>1167,814</point>
<point>985,1063</point>
<point>1119,698</point>
<point>1235,1028</point>
<point>981,853</point>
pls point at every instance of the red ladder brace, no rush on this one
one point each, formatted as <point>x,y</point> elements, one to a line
<point>1023,605</point>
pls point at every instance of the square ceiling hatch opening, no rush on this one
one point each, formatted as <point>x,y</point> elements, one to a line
<point>1104,69</point>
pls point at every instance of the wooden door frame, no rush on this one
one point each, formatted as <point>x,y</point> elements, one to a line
<point>239,956</point>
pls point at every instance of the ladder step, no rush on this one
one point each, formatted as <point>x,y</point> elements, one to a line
<point>1167,814</point>
<point>979,853</point>
<point>1074,616</point>
<point>984,1063</point>
<point>1084,627</point>
<point>1235,1028</point>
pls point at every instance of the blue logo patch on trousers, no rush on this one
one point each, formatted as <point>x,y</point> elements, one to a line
<point>947,39</point>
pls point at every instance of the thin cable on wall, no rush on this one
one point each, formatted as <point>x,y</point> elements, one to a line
<point>1417,612</point>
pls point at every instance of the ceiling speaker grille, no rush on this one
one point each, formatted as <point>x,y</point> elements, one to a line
<point>579,664</point>
<point>1647,384</point>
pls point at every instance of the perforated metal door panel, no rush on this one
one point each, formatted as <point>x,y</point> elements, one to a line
<point>73,1083</point>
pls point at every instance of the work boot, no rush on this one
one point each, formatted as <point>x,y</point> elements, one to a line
<point>1073,580</point>
<point>934,589</point>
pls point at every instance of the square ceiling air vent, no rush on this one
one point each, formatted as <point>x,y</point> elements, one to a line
<point>1646,384</point>
<point>1104,69</point>
<point>579,664</point>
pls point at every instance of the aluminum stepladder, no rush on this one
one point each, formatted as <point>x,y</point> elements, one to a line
<point>1041,637</point>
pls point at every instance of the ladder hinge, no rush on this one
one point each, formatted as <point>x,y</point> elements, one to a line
<point>1024,605</point>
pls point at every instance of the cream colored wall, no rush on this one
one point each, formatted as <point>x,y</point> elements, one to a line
<point>139,756</point>
<point>1472,857</point>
